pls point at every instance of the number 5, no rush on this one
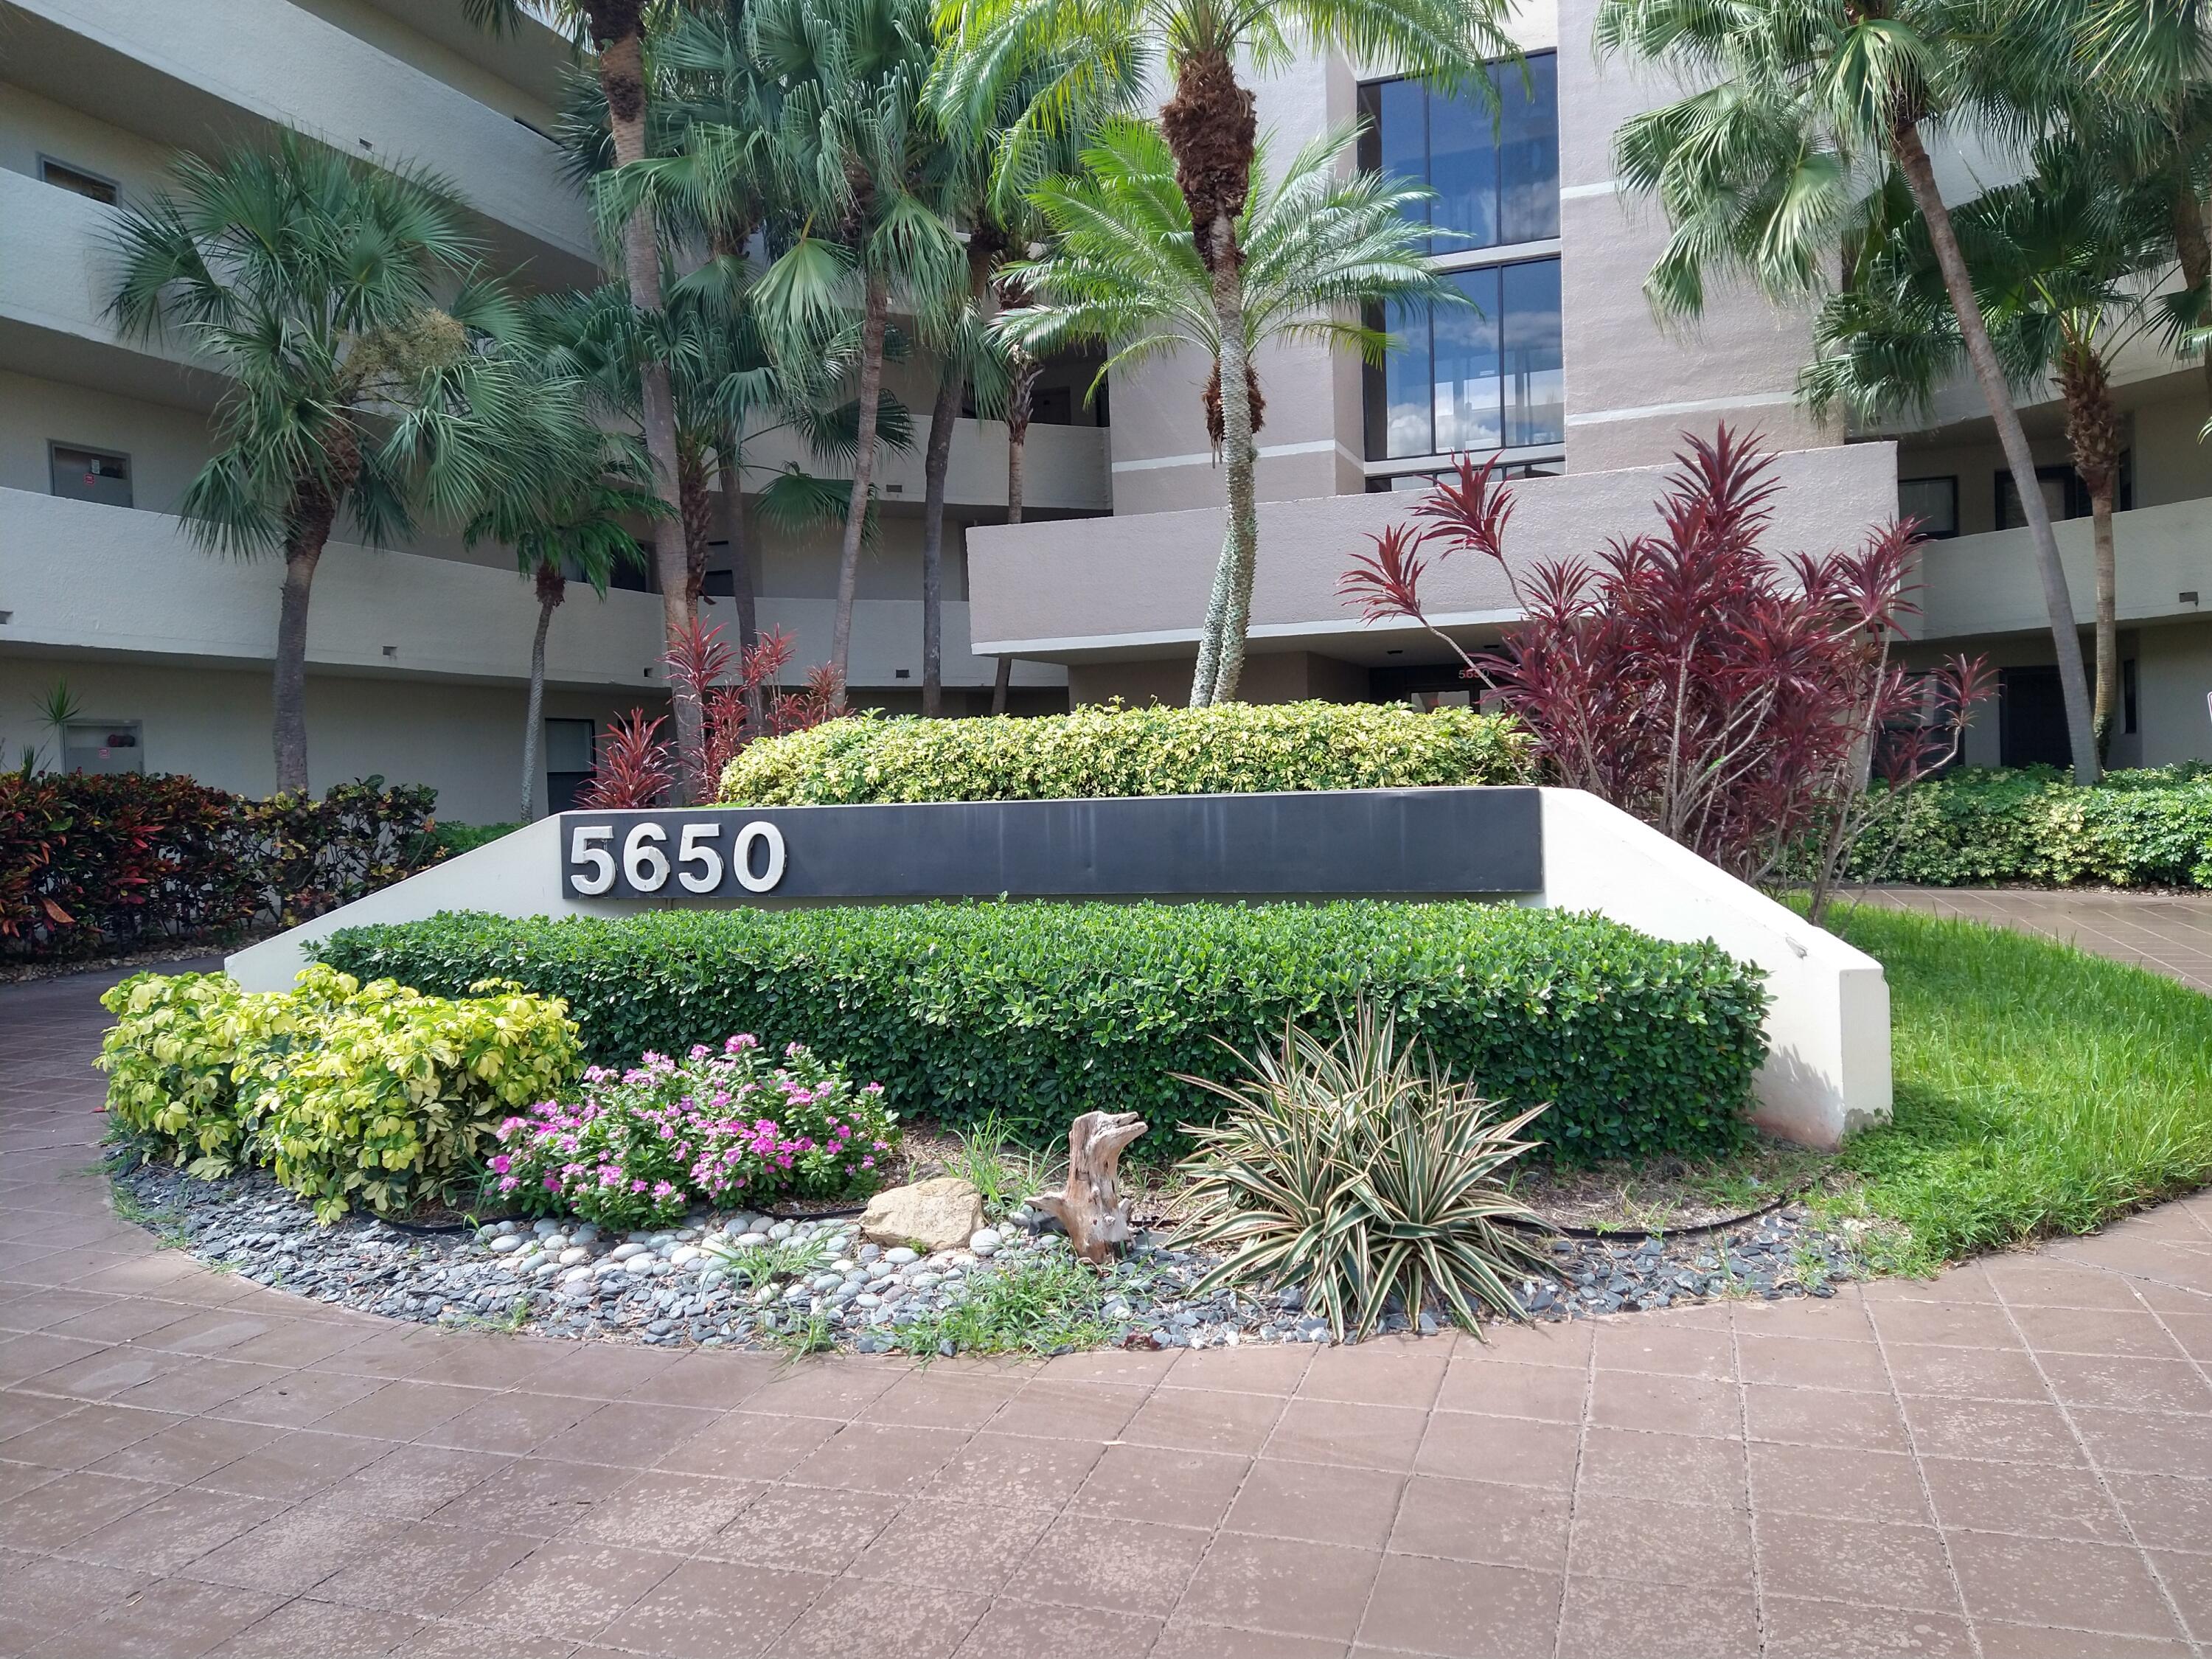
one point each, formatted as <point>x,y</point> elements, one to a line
<point>588,848</point>
<point>694,849</point>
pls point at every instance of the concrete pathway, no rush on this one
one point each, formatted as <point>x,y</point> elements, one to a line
<point>2169,933</point>
<point>2012,1462</point>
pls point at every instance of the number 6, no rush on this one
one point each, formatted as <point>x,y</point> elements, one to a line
<point>693,849</point>
<point>586,848</point>
<point>643,861</point>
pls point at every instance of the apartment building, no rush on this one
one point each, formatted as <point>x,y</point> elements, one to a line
<point>418,655</point>
<point>1564,372</point>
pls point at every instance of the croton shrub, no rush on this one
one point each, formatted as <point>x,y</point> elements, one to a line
<point>2148,828</point>
<point>89,862</point>
<point>349,1092</point>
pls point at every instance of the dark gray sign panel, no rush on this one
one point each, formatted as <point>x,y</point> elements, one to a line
<point>1336,843</point>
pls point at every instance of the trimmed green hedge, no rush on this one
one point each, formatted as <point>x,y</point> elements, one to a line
<point>1041,1011</point>
<point>2137,828</point>
<point>1234,747</point>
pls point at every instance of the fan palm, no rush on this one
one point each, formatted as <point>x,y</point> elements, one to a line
<point>1314,248</point>
<point>1085,47</point>
<point>1808,107</point>
<point>2063,263</point>
<point>567,518</point>
<point>344,304</point>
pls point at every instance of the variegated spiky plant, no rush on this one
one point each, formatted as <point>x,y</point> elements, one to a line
<point>1357,1171</point>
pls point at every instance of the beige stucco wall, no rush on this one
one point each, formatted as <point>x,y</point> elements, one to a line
<point>1137,588</point>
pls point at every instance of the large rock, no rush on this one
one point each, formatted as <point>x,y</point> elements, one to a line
<point>931,1215</point>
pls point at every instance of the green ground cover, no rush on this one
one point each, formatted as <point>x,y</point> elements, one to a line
<point>2040,1090</point>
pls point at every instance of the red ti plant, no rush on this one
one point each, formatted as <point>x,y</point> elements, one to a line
<point>1735,701</point>
<point>738,699</point>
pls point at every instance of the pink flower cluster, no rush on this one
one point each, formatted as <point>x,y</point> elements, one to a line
<point>647,1143</point>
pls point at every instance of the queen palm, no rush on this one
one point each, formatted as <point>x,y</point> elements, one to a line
<point>343,304</point>
<point>1807,108</point>
<point>1087,47</point>
<point>1314,248</point>
<point>2064,263</point>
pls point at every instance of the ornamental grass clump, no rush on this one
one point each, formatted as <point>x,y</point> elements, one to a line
<point>647,1143</point>
<point>1366,1178</point>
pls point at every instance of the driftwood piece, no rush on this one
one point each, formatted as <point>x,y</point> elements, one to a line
<point>1090,1207</point>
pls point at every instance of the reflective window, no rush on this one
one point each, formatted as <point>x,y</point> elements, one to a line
<point>1495,170</point>
<point>1478,377</point>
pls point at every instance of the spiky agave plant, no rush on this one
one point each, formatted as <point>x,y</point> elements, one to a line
<point>1357,1170</point>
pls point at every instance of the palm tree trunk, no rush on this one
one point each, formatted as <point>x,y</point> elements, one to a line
<point>551,590</point>
<point>615,33</point>
<point>2192,250</point>
<point>937,461</point>
<point>1241,546</point>
<point>2094,433</point>
<point>741,572</point>
<point>698,507</point>
<point>873,321</point>
<point>2058,604</point>
<point>2108,632</point>
<point>1020,399</point>
<point>301,554</point>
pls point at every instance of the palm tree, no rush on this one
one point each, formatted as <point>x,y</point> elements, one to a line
<point>1314,248</point>
<point>616,30</point>
<point>860,172</point>
<point>1085,47</point>
<point>567,519</point>
<point>345,305</point>
<point>2064,263</point>
<point>1809,107</point>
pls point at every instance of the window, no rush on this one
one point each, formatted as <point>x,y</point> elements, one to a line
<point>638,575</point>
<point>102,746</point>
<point>89,475</point>
<point>1415,482</point>
<point>571,748</point>
<point>1934,502</point>
<point>2128,727</point>
<point>1496,173</point>
<point>78,181</point>
<point>2064,494</point>
<point>1478,378</point>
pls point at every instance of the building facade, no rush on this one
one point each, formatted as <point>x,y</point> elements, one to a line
<point>1564,372</point>
<point>418,654</point>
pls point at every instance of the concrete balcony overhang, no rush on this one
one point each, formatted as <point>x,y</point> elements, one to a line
<point>81,577</point>
<point>1102,590</point>
<point>181,76</point>
<point>1064,468</point>
<point>1977,586</point>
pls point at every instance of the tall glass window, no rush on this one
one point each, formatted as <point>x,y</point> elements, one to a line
<point>1495,173</point>
<point>1478,377</point>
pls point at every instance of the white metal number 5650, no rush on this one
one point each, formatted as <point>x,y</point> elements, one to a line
<point>698,865</point>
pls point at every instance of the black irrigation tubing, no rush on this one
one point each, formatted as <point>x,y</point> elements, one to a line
<point>1701,1229</point>
<point>432,1229</point>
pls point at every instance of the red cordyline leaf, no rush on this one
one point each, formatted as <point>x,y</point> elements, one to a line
<point>1725,694</point>
<point>635,769</point>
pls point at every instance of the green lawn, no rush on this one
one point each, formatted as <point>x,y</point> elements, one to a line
<point>2040,1090</point>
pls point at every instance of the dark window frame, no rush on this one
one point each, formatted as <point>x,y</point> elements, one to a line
<point>49,165</point>
<point>1507,74</point>
<point>2076,494</point>
<point>1374,379</point>
<point>1950,478</point>
<point>56,446</point>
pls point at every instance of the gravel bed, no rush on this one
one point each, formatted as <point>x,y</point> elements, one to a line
<point>753,1280</point>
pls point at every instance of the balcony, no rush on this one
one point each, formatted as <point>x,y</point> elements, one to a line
<point>80,576</point>
<point>1987,584</point>
<point>1136,588</point>
<point>185,75</point>
<point>1066,468</point>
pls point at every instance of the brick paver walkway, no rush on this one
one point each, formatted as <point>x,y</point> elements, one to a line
<point>2169,933</point>
<point>2014,1460</point>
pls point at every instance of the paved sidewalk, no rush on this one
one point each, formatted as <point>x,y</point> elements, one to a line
<point>2012,1462</point>
<point>2169,933</point>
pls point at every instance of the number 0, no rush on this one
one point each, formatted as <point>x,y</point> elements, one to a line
<point>741,857</point>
